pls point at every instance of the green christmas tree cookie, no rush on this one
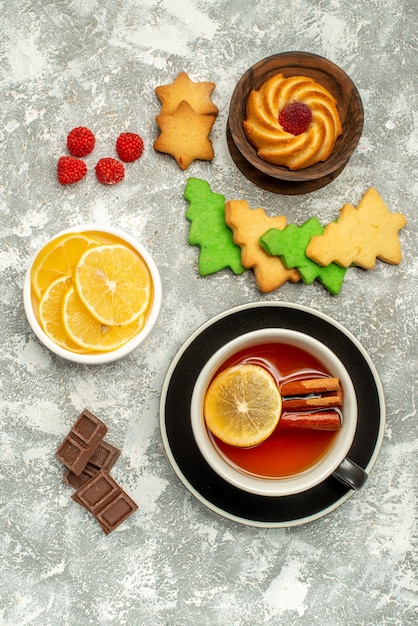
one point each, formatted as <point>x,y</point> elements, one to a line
<point>290,244</point>
<point>209,231</point>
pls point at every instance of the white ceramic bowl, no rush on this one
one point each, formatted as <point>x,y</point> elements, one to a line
<point>105,357</point>
<point>332,460</point>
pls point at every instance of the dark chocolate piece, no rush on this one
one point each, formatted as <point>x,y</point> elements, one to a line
<point>82,441</point>
<point>97,492</point>
<point>79,480</point>
<point>105,500</point>
<point>116,512</point>
<point>104,457</point>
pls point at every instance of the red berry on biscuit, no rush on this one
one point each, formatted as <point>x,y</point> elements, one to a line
<point>109,171</point>
<point>129,147</point>
<point>80,141</point>
<point>295,118</point>
<point>70,170</point>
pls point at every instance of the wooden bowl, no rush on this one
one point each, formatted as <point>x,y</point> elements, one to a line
<point>281,179</point>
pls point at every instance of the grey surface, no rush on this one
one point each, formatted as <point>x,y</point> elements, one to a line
<point>96,63</point>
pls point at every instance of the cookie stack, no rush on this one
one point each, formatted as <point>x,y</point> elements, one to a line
<point>186,120</point>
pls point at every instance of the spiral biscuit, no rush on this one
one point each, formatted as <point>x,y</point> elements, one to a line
<point>273,143</point>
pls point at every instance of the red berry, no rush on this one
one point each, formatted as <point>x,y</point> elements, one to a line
<point>129,147</point>
<point>80,141</point>
<point>109,171</point>
<point>295,118</point>
<point>70,170</point>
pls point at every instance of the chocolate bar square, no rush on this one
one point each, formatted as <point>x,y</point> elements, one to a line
<point>97,492</point>
<point>105,500</point>
<point>89,429</point>
<point>78,480</point>
<point>104,457</point>
<point>116,512</point>
<point>81,442</point>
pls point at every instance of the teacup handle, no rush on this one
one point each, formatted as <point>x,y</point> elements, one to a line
<point>351,474</point>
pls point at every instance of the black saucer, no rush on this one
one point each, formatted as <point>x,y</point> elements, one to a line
<point>180,445</point>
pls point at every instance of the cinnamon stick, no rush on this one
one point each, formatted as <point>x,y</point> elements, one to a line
<point>311,385</point>
<point>315,420</point>
<point>312,402</point>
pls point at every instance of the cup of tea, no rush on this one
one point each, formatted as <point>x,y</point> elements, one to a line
<point>318,416</point>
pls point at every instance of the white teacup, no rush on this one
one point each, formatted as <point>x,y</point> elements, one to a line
<point>334,460</point>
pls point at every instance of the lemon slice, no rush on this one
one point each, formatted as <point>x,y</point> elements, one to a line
<point>242,405</point>
<point>90,334</point>
<point>113,283</point>
<point>58,258</point>
<point>50,314</point>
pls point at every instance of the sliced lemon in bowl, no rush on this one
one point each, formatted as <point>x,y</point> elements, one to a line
<point>58,258</point>
<point>242,405</point>
<point>114,284</point>
<point>90,334</point>
<point>50,316</point>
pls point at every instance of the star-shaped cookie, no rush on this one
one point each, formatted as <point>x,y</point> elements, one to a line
<point>247,226</point>
<point>185,135</point>
<point>208,230</point>
<point>290,244</point>
<point>198,95</point>
<point>360,235</point>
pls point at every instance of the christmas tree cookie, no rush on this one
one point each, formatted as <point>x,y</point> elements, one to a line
<point>290,245</point>
<point>208,229</point>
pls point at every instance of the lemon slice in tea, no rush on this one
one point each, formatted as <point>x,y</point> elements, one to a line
<point>242,405</point>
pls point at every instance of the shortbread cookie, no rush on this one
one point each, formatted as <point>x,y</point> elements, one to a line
<point>292,122</point>
<point>185,135</point>
<point>198,95</point>
<point>360,235</point>
<point>186,119</point>
<point>209,231</point>
<point>290,244</point>
<point>247,226</point>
